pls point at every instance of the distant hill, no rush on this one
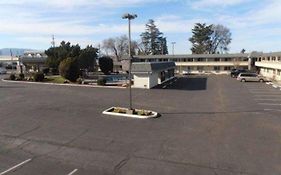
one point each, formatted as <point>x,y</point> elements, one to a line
<point>15,51</point>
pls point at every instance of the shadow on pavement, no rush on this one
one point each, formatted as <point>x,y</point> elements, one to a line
<point>190,83</point>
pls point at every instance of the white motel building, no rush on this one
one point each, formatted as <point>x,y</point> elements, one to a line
<point>267,64</point>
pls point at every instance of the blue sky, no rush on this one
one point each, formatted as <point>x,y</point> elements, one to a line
<point>255,25</point>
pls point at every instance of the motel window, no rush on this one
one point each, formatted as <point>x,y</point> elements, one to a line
<point>217,59</point>
<point>268,58</point>
<point>216,68</point>
<point>184,60</point>
<point>278,72</point>
<point>273,58</point>
<point>189,59</point>
<point>278,58</point>
<point>227,68</point>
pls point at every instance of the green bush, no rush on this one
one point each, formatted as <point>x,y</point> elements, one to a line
<point>38,77</point>
<point>21,76</point>
<point>69,69</point>
<point>12,77</point>
<point>101,81</point>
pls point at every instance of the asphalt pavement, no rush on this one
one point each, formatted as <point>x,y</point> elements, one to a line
<point>211,125</point>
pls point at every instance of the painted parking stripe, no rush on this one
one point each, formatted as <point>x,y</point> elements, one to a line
<point>269,95</point>
<point>16,166</point>
<point>72,172</point>
<point>262,99</point>
<point>266,93</point>
<point>278,110</point>
<point>271,104</point>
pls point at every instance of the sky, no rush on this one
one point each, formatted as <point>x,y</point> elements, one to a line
<point>255,24</point>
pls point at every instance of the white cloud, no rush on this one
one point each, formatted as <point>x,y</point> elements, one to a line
<point>215,3</point>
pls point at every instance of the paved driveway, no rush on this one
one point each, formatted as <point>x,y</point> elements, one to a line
<point>209,125</point>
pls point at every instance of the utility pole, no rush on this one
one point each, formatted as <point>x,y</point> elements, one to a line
<point>53,41</point>
<point>173,48</point>
<point>130,17</point>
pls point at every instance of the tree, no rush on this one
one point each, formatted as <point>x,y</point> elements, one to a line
<point>118,47</point>
<point>153,41</point>
<point>69,69</point>
<point>243,51</point>
<point>201,40</point>
<point>106,64</point>
<point>220,39</point>
<point>57,54</point>
<point>210,39</point>
<point>87,58</point>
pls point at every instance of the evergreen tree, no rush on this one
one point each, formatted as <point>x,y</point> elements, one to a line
<point>201,40</point>
<point>153,41</point>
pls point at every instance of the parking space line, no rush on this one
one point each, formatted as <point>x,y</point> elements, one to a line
<point>72,172</point>
<point>16,166</point>
<point>273,110</point>
<point>269,95</point>
<point>164,87</point>
<point>262,99</point>
<point>264,92</point>
<point>270,104</point>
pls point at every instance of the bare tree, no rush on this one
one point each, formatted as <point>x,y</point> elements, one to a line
<point>118,47</point>
<point>220,39</point>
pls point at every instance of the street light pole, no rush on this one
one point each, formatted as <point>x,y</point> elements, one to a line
<point>173,43</point>
<point>130,17</point>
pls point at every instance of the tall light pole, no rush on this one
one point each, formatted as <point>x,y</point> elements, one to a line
<point>130,17</point>
<point>173,43</point>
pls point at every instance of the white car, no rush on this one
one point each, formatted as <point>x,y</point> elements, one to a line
<point>3,70</point>
<point>243,77</point>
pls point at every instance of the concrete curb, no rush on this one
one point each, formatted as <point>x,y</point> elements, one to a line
<point>106,112</point>
<point>70,85</point>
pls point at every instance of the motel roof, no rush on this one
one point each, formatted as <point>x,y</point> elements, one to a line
<point>145,67</point>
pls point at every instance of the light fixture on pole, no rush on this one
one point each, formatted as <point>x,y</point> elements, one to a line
<point>130,17</point>
<point>173,49</point>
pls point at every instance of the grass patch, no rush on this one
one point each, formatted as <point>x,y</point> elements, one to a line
<point>55,79</point>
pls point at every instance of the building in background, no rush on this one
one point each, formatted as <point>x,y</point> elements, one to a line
<point>269,65</point>
<point>202,63</point>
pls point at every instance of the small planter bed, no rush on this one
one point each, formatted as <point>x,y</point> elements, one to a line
<point>125,112</point>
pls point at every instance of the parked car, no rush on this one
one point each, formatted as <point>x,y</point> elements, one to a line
<point>243,77</point>
<point>3,70</point>
<point>235,72</point>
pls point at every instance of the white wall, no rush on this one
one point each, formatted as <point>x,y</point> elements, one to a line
<point>146,81</point>
<point>141,81</point>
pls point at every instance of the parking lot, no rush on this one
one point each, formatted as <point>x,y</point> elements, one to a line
<point>209,125</point>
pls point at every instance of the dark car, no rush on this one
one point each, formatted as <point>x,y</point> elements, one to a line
<point>235,72</point>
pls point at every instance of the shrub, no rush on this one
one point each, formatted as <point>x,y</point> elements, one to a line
<point>12,77</point>
<point>101,81</point>
<point>21,76</point>
<point>106,64</point>
<point>69,69</point>
<point>38,77</point>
